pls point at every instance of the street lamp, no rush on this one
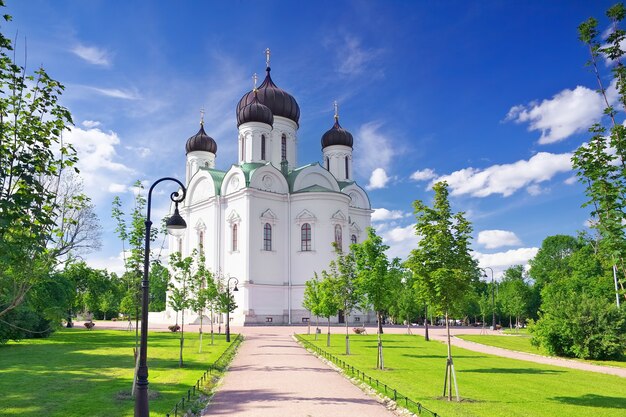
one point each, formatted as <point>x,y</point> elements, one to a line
<point>228,305</point>
<point>176,226</point>
<point>493,298</point>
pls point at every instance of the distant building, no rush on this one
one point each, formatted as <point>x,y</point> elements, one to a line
<point>267,221</point>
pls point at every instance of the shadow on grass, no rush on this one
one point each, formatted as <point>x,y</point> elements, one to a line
<point>443,356</point>
<point>513,371</point>
<point>593,400</point>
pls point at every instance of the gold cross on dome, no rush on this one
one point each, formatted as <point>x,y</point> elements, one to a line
<point>336,106</point>
<point>255,78</point>
<point>202,116</point>
<point>267,57</point>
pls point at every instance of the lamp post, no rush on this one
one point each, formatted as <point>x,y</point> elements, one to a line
<point>228,305</point>
<point>493,299</point>
<point>175,226</point>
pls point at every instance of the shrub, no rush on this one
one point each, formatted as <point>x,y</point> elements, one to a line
<point>89,325</point>
<point>583,327</point>
<point>174,328</point>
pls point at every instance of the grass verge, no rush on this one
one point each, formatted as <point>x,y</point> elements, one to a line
<point>78,372</point>
<point>492,386</point>
<point>522,344</point>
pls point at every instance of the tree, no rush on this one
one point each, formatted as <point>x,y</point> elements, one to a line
<point>514,294</point>
<point>601,162</point>
<point>312,301</point>
<point>329,305</point>
<point>375,280</point>
<point>343,279</point>
<point>405,304</point>
<point>180,291</point>
<point>38,224</point>
<point>576,317</point>
<point>442,264</point>
<point>203,289</point>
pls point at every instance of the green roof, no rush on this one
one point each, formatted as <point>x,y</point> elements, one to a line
<point>218,177</point>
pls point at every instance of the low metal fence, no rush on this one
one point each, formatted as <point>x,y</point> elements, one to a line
<point>217,367</point>
<point>381,387</point>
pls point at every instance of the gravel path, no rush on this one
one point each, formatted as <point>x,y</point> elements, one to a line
<point>273,376</point>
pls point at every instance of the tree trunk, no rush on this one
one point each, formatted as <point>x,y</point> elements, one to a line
<point>212,318</point>
<point>449,368</point>
<point>328,335</point>
<point>380,324</point>
<point>380,362</point>
<point>201,317</point>
<point>182,337</point>
<point>317,326</point>
<point>347,337</point>
<point>426,324</point>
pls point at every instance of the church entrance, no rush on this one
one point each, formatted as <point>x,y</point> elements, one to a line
<point>340,317</point>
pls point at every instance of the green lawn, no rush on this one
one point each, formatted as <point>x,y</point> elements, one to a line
<point>77,372</point>
<point>492,386</point>
<point>522,344</point>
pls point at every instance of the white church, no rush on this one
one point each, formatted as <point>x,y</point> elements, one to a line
<point>266,220</point>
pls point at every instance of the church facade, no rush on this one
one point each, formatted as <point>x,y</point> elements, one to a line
<point>266,220</point>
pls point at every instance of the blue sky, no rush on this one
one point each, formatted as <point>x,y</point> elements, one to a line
<point>491,95</point>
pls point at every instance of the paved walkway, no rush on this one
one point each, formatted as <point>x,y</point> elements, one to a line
<point>530,357</point>
<point>273,376</point>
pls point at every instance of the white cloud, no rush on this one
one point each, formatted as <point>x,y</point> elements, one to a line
<point>507,178</point>
<point>492,239</point>
<point>93,55</point>
<point>90,123</point>
<point>535,189</point>
<point>140,151</point>
<point>378,179</point>
<point>117,188</point>
<point>566,113</point>
<point>116,93</point>
<point>353,58</point>
<point>423,175</point>
<point>571,180</point>
<point>401,240</point>
<point>375,149</point>
<point>382,214</point>
<point>97,163</point>
<point>500,261</point>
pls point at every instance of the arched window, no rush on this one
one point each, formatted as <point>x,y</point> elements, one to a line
<point>353,239</point>
<point>243,149</point>
<point>201,241</point>
<point>338,236</point>
<point>347,176</point>
<point>263,147</point>
<point>327,164</point>
<point>283,148</point>
<point>305,237</point>
<point>234,237</point>
<point>267,237</point>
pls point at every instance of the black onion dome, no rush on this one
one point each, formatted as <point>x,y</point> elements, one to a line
<point>255,112</point>
<point>201,142</point>
<point>337,135</point>
<point>280,102</point>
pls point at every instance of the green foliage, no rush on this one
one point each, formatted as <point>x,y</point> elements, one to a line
<point>601,162</point>
<point>583,327</point>
<point>515,294</point>
<point>40,221</point>
<point>312,296</point>
<point>442,264</point>
<point>577,317</point>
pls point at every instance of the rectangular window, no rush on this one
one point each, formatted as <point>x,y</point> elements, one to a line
<point>267,237</point>
<point>305,237</point>
<point>283,148</point>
